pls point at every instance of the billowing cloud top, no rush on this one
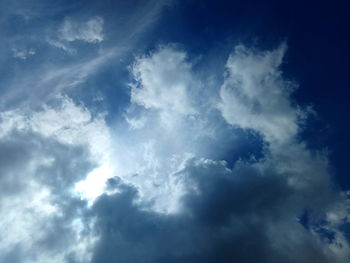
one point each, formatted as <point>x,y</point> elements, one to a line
<point>108,156</point>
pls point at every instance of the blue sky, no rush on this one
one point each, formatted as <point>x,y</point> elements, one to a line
<point>174,131</point>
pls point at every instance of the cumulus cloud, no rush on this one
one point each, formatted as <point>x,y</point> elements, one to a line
<point>164,82</point>
<point>151,148</point>
<point>254,209</point>
<point>255,95</point>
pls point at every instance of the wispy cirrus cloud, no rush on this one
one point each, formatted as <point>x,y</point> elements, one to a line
<point>90,31</point>
<point>23,53</point>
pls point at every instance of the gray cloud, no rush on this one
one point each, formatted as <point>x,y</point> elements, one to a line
<point>36,198</point>
<point>239,215</point>
<point>42,159</point>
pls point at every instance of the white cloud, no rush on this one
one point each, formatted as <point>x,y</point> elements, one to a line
<point>161,119</point>
<point>72,30</point>
<point>90,31</point>
<point>23,53</point>
<point>46,163</point>
<point>255,95</point>
<point>61,45</point>
<point>73,125</point>
<point>164,82</point>
<point>68,123</point>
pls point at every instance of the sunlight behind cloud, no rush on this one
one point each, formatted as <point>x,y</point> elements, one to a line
<point>95,182</point>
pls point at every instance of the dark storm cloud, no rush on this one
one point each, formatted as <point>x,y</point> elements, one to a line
<point>241,215</point>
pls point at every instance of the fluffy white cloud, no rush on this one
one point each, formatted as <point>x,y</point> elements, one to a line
<point>163,118</point>
<point>164,82</point>
<point>255,95</point>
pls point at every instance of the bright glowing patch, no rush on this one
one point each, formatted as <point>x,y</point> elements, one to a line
<point>95,182</point>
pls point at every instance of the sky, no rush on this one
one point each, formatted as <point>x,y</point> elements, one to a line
<point>152,131</point>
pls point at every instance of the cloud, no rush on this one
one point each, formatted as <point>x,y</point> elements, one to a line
<point>90,31</point>
<point>73,30</point>
<point>23,53</point>
<point>66,122</point>
<point>174,180</point>
<point>165,81</point>
<point>47,153</point>
<point>47,82</point>
<point>229,215</point>
<point>254,208</point>
<point>70,46</point>
<point>184,183</point>
<point>255,95</point>
<point>41,214</point>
